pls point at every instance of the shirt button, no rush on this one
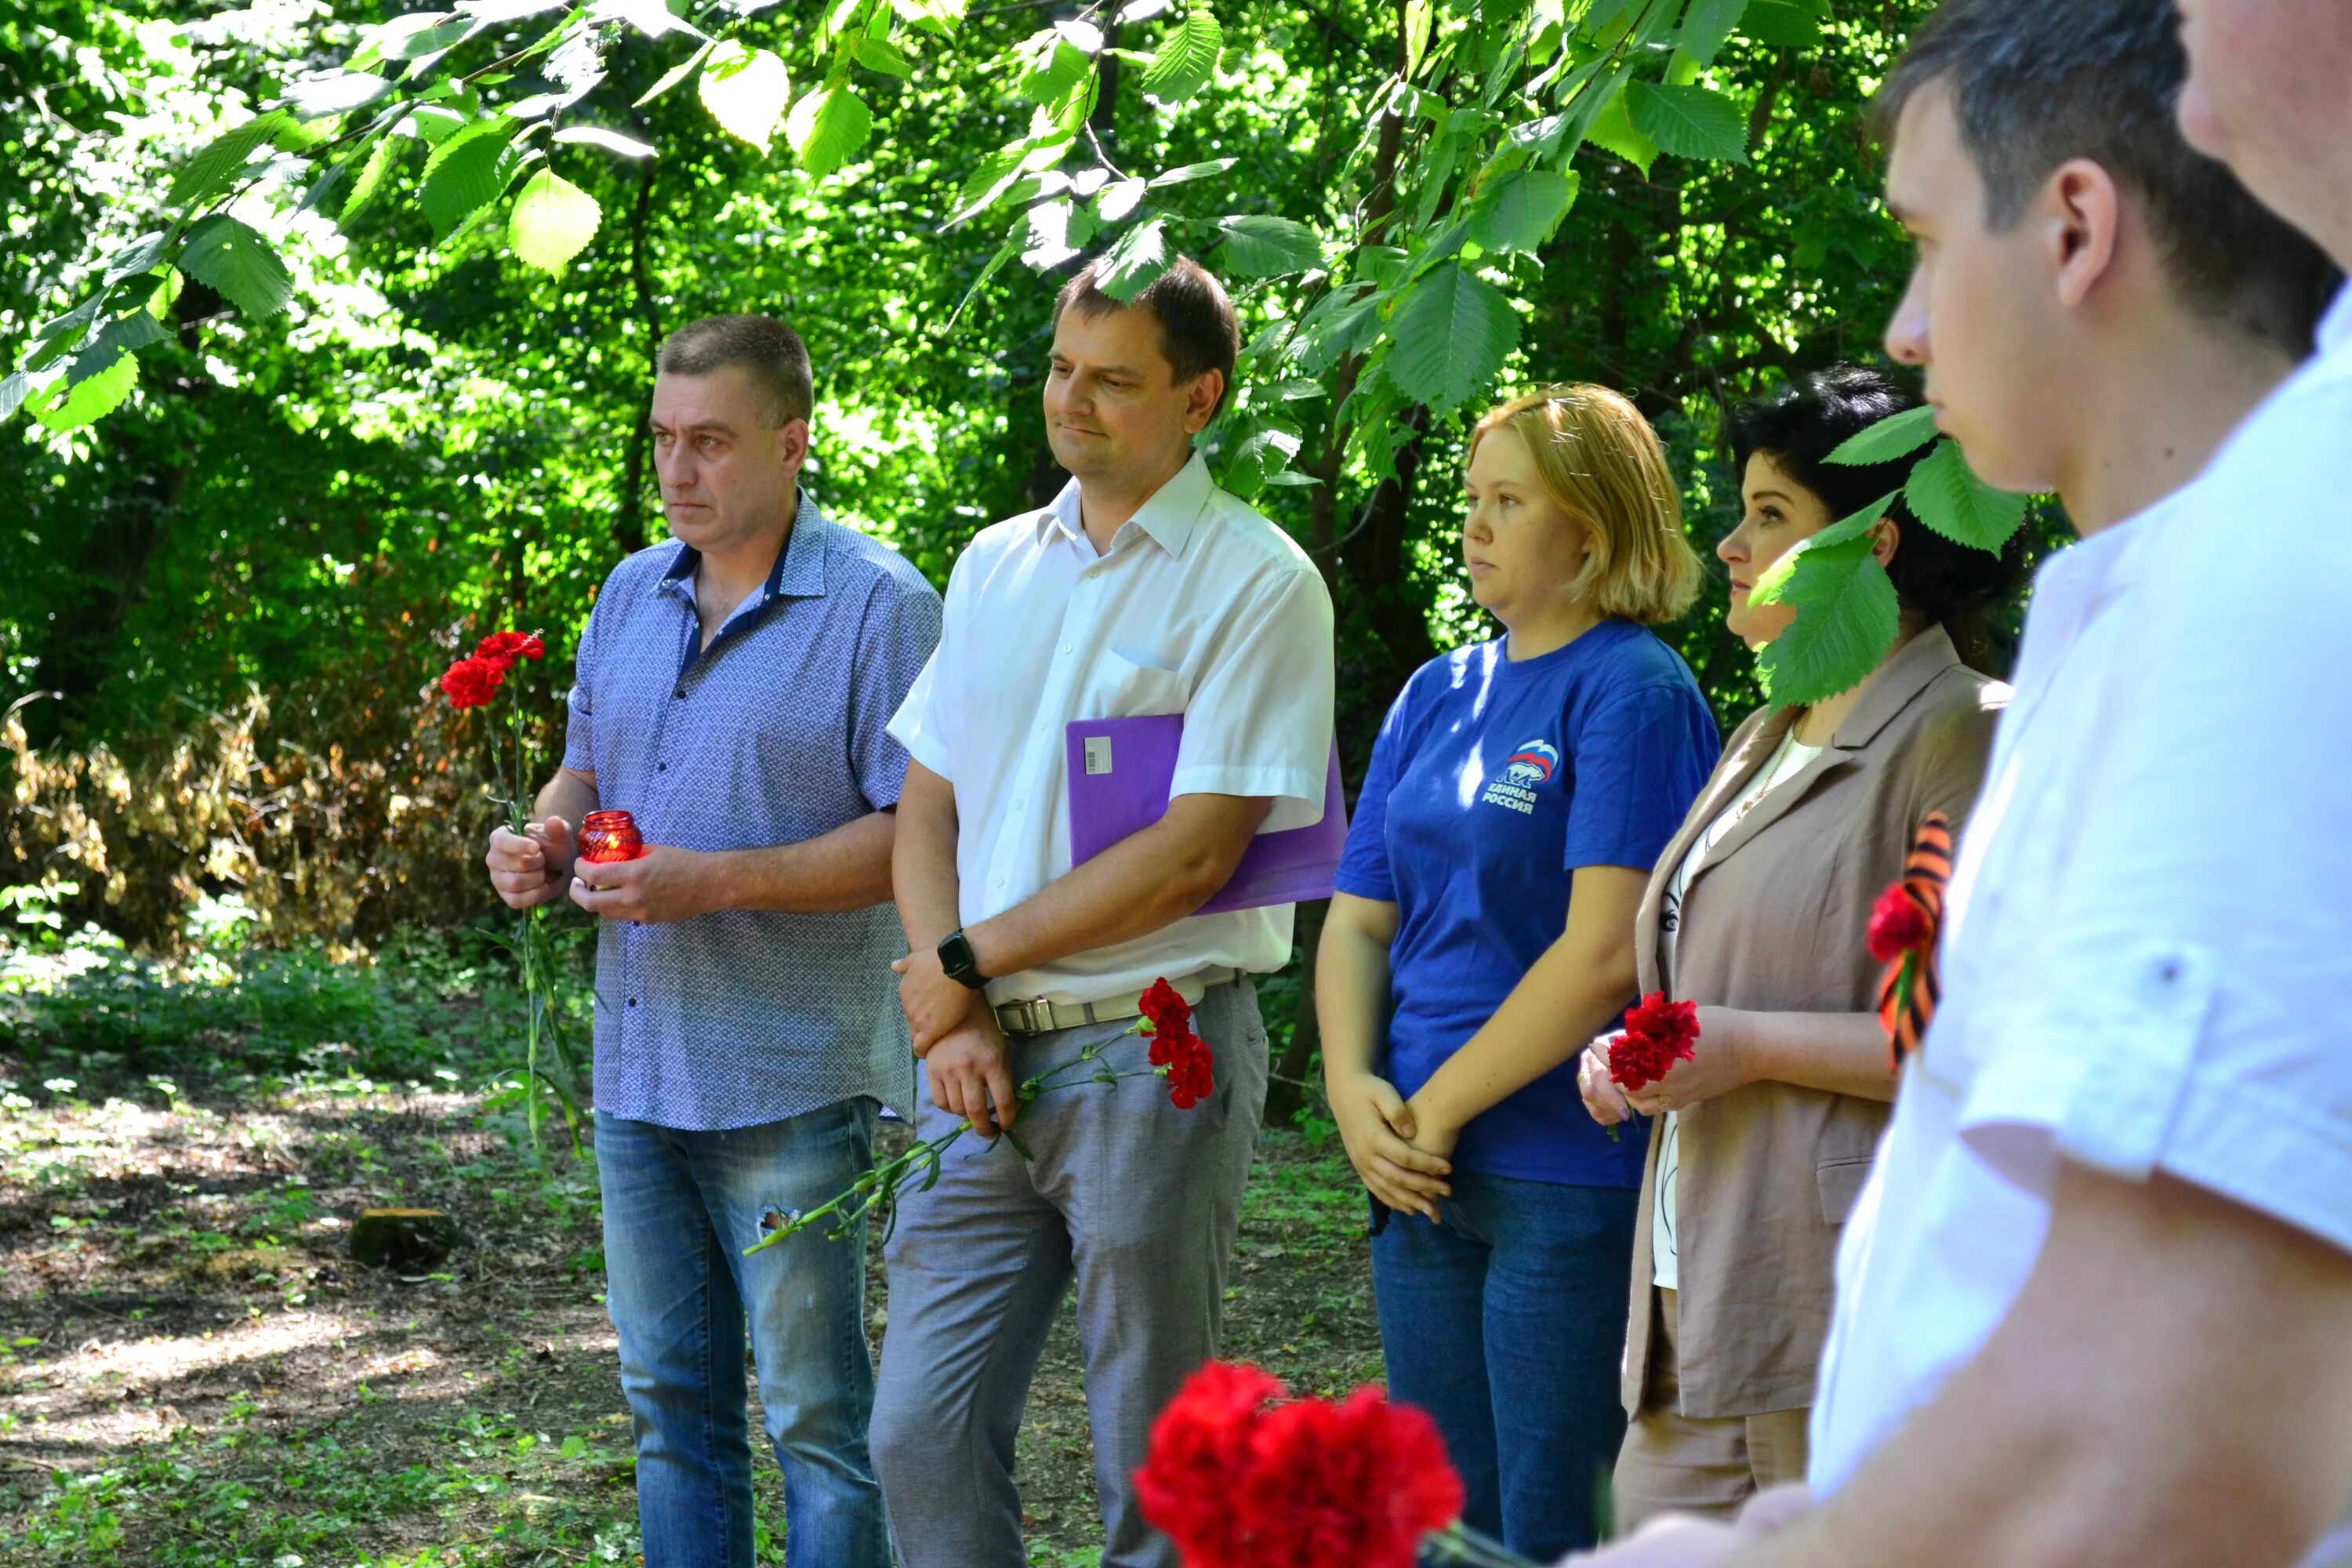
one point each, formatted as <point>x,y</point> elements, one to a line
<point>679,694</point>
<point>1065,647</point>
<point>633,1001</point>
<point>661,767</point>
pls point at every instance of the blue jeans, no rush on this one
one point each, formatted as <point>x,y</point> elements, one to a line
<point>1506,1323</point>
<point>679,1207</point>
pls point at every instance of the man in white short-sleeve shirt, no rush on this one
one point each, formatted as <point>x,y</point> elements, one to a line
<point>1142,590</point>
<point>2095,1305</point>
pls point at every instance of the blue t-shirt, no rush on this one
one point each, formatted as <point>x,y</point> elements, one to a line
<point>1491,782</point>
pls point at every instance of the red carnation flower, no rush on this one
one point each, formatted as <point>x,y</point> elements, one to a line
<point>1191,1065</point>
<point>1898,925</point>
<point>1357,1483</point>
<point>471,682</point>
<point>1199,1445</point>
<point>1165,1011</point>
<point>1658,1034</point>
<point>502,648</point>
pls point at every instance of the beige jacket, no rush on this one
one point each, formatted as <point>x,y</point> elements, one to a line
<point>1775,922</point>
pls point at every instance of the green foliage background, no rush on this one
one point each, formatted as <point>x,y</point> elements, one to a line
<point>227,603</point>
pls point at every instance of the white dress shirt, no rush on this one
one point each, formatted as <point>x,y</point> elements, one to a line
<point>2148,952</point>
<point>1199,606</point>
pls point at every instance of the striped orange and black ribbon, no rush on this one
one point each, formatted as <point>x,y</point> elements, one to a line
<point>1926,873</point>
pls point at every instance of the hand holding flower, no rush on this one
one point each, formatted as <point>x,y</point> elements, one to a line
<point>1714,1066</point>
<point>533,866</point>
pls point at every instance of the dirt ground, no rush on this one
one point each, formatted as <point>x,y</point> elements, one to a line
<point>195,1372</point>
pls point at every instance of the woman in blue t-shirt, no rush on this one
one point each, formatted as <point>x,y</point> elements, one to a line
<point>1518,794</point>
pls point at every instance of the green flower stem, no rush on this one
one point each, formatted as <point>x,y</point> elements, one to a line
<point>1458,1545</point>
<point>881,1183</point>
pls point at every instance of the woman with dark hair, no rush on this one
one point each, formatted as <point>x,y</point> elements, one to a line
<point>1758,912</point>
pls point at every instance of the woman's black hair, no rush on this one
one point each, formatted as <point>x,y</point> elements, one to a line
<point>1950,584</point>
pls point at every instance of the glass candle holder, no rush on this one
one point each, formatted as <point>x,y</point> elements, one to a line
<point>609,835</point>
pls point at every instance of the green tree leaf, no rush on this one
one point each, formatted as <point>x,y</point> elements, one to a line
<point>1452,334</point>
<point>1613,132</point>
<point>1260,455</point>
<point>1688,121</point>
<point>211,170</point>
<point>65,404</point>
<point>373,174</point>
<point>1945,493</point>
<point>1050,66</point>
<point>235,260</point>
<point>881,55</point>
<point>124,335</point>
<point>1260,246</point>
<point>1706,25</point>
<point>1781,24</point>
<point>554,221</point>
<point>1186,58</point>
<point>1846,613</point>
<point>1188,172</point>
<point>13,393</point>
<point>1890,438</point>
<point>1521,210</point>
<point>747,91</point>
<point>826,127</point>
<point>467,172</point>
<point>1140,255</point>
<point>611,141</point>
<point>676,73</point>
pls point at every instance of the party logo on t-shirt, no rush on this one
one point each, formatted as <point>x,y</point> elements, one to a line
<point>1526,769</point>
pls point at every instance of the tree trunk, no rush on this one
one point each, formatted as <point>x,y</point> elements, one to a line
<point>1287,1091</point>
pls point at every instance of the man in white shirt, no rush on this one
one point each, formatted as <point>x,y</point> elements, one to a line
<point>1143,589</point>
<point>2095,1306</point>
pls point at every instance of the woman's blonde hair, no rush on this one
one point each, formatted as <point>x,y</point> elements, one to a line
<point>1601,463</point>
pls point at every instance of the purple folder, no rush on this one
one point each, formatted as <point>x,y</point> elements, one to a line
<point>1120,771</point>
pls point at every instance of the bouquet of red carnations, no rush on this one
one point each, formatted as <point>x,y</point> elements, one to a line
<point>1239,1475</point>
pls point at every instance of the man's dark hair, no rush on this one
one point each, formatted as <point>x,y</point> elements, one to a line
<point>1197,329</point>
<point>1952,585</point>
<point>771,352</point>
<point>2036,82</point>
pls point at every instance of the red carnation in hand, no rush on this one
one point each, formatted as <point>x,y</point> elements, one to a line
<point>1898,925</point>
<point>1658,1034</point>
<point>471,682</point>
<point>1355,1484</point>
<point>1200,1447</point>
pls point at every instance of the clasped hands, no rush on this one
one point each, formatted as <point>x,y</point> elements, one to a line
<point>541,865</point>
<point>963,1052</point>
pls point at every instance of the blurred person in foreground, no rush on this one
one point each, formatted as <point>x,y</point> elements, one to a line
<point>2095,1306</point>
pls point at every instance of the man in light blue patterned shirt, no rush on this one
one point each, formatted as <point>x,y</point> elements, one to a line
<point>734,691</point>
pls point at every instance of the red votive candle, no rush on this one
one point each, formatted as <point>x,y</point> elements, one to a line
<point>609,835</point>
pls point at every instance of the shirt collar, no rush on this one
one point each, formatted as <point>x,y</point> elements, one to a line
<point>2336,327</point>
<point>1898,682</point>
<point>1169,517</point>
<point>799,570</point>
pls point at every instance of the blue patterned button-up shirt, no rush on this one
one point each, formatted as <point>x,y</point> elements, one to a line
<point>773,734</point>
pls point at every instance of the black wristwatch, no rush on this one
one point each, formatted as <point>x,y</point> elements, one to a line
<point>955,957</point>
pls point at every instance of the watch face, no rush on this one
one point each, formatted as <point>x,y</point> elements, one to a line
<point>955,958</point>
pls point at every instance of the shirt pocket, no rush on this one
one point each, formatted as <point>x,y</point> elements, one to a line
<point>1132,685</point>
<point>1840,1182</point>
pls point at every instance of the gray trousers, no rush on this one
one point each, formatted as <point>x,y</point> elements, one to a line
<point>1135,1200</point>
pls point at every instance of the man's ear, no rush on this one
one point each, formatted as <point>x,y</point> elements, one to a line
<point>1201,399</point>
<point>2082,214</point>
<point>1886,539</point>
<point>792,444</point>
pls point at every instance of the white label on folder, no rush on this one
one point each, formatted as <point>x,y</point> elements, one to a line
<point>1097,754</point>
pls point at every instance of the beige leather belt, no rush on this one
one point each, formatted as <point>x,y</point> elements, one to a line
<point>1042,1014</point>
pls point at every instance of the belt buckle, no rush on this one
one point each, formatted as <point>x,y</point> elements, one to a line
<point>1023,1018</point>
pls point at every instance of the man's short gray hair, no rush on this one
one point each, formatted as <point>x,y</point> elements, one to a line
<point>771,352</point>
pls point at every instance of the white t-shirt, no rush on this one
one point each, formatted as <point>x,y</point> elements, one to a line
<point>2145,956</point>
<point>1199,606</point>
<point>1790,758</point>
